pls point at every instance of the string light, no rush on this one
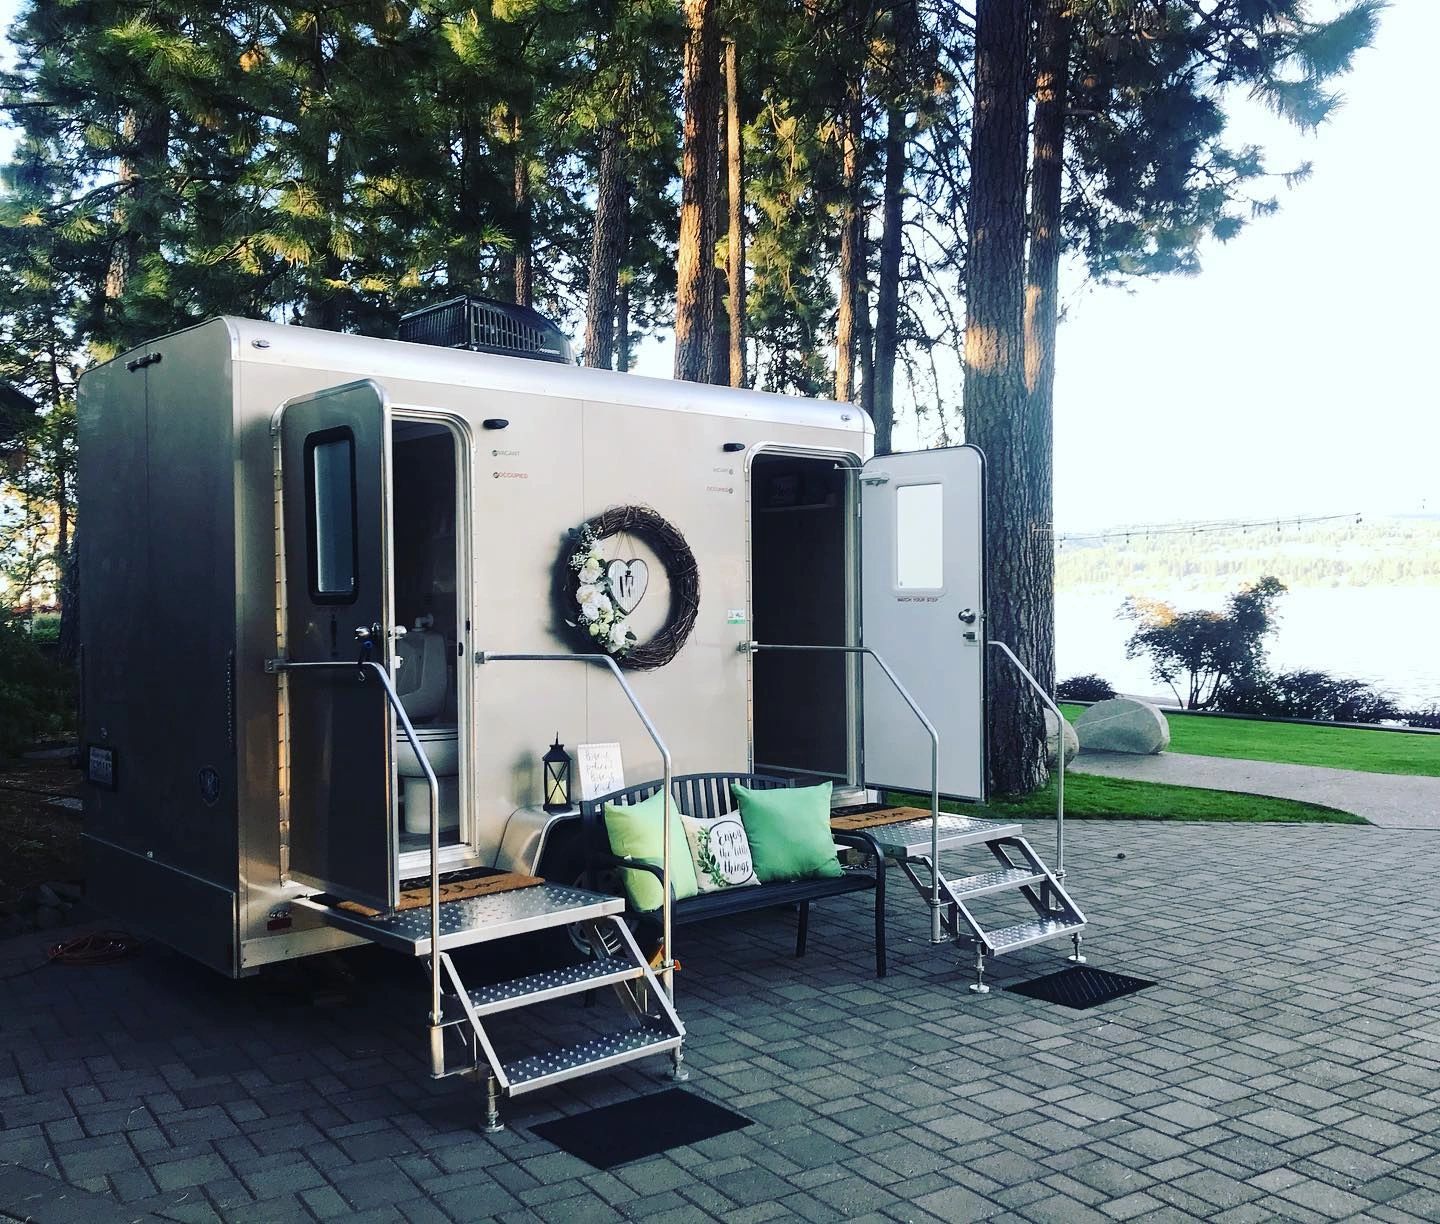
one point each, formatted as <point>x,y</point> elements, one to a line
<point>1216,526</point>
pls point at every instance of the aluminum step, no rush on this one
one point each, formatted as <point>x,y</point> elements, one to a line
<point>988,882</point>
<point>911,839</point>
<point>594,1054</point>
<point>1023,934</point>
<point>471,920</point>
<point>554,984</point>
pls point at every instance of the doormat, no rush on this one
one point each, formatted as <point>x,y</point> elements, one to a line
<point>451,890</point>
<point>873,817</point>
<point>1080,987</point>
<point>631,1130</point>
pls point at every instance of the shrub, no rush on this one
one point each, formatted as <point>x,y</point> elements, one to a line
<point>1084,688</point>
<point>1309,694</point>
<point>45,627</point>
<point>1428,717</point>
<point>35,694</point>
<point>1208,653</point>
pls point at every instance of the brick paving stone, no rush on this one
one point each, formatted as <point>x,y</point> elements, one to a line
<point>1271,1061</point>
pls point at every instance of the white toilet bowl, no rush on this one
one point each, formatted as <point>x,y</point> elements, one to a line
<point>442,749</point>
<point>423,684</point>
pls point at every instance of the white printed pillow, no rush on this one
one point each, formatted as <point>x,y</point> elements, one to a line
<point>721,852</point>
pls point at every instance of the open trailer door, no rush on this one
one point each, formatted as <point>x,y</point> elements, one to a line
<point>923,612</point>
<point>334,463</point>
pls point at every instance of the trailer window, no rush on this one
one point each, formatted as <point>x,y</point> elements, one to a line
<point>330,477</point>
<point>920,541</point>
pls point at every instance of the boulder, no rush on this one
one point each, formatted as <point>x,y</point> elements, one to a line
<point>1072,742</point>
<point>1123,724</point>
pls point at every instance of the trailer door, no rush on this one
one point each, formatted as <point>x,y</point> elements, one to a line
<point>334,461</point>
<point>923,612</point>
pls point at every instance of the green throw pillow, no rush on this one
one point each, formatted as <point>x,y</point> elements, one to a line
<point>789,832</point>
<point>634,832</point>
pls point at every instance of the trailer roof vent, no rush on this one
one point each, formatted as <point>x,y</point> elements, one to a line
<point>485,326</point>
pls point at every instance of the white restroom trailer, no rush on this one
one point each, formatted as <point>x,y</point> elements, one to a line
<point>254,493</point>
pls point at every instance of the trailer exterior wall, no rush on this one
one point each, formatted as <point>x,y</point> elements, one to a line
<point>157,616</point>
<point>577,441</point>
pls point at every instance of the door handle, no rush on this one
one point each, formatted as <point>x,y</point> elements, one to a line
<point>967,616</point>
<point>365,640</point>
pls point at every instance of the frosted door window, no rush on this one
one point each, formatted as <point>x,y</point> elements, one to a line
<point>919,537</point>
<point>333,506</point>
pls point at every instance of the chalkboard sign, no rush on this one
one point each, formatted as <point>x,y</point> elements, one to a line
<point>600,769</point>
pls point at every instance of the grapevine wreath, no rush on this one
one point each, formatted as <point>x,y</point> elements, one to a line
<point>602,592</point>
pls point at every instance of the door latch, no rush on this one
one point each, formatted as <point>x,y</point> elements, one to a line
<point>365,640</point>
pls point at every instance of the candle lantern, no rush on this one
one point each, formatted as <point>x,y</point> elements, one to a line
<point>557,777</point>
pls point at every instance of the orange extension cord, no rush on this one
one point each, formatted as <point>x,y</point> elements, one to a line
<point>92,948</point>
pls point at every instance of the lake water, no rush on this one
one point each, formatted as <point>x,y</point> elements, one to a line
<point>1387,636</point>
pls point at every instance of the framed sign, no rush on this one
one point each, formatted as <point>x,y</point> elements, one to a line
<point>600,769</point>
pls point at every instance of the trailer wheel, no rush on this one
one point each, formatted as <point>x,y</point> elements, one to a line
<point>563,862</point>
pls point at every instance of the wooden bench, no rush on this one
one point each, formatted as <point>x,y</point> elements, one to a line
<point>706,796</point>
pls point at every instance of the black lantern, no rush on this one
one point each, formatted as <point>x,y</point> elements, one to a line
<point>557,777</point>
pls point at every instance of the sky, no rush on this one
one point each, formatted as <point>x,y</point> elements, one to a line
<point>1290,376</point>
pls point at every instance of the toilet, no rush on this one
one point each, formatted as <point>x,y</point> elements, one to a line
<point>423,684</point>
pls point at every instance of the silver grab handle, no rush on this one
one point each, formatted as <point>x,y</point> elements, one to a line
<point>1059,756</point>
<point>935,937</point>
<point>431,782</point>
<point>667,966</point>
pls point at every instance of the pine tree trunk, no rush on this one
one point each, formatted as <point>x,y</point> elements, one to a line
<point>146,137</point>
<point>865,339</point>
<point>994,393</point>
<point>1052,64</point>
<point>735,246</point>
<point>622,327</point>
<point>605,250</point>
<point>850,241</point>
<point>622,292</point>
<point>524,254</point>
<point>719,369</point>
<point>887,300</point>
<point>694,296</point>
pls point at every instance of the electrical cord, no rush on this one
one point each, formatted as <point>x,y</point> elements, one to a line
<point>92,948</point>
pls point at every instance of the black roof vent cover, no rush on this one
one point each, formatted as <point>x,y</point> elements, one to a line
<point>486,326</point>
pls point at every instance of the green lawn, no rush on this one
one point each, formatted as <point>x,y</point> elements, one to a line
<point>1090,798</point>
<point>1297,744</point>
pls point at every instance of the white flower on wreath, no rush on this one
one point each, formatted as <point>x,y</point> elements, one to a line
<point>594,603</point>
<point>591,571</point>
<point>620,634</point>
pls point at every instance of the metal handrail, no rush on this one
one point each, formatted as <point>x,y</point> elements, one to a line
<point>1059,756</point>
<point>434,786</point>
<point>935,934</point>
<point>667,965</point>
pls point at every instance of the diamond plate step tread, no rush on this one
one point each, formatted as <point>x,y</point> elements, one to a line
<point>472,920</point>
<point>1023,934</point>
<point>913,838</point>
<point>991,882</point>
<point>597,1053</point>
<point>553,984</point>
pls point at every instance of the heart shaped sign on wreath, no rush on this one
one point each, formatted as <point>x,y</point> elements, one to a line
<point>628,580</point>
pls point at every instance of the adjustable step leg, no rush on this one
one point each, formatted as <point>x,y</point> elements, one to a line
<point>1078,958</point>
<point>978,985</point>
<point>493,1125</point>
<point>678,1072</point>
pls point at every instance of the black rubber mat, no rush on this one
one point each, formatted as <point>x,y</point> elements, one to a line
<point>1080,987</point>
<point>646,1126</point>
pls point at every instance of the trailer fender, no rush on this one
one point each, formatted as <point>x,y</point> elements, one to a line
<point>527,834</point>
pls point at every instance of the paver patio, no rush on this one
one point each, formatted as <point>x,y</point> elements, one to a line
<point>1287,1065</point>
